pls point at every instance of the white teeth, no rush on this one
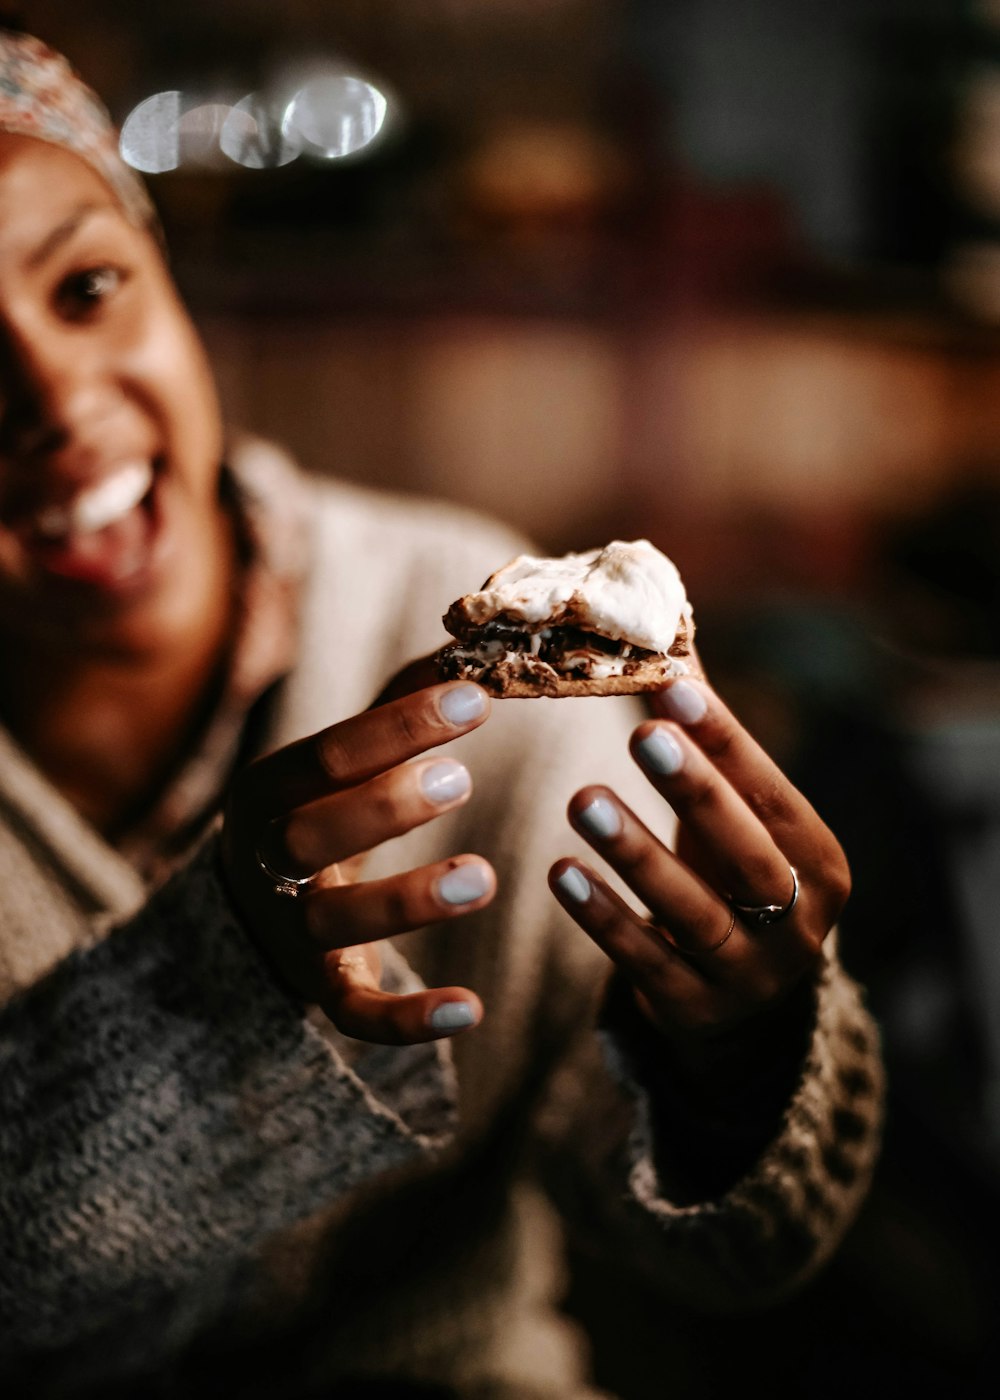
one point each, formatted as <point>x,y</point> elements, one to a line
<point>101,505</point>
<point>113,498</point>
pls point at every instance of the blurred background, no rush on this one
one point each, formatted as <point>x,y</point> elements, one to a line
<point>726,275</point>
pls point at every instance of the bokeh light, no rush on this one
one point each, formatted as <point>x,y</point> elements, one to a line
<point>200,131</point>
<point>150,139</point>
<point>253,135</point>
<point>335,115</point>
<point>338,114</point>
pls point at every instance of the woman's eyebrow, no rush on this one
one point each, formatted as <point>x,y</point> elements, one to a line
<point>64,231</point>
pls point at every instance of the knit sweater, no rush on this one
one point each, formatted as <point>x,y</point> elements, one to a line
<point>182,1144</point>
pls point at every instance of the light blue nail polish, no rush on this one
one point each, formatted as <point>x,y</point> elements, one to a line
<point>452,1016</point>
<point>463,704</point>
<point>684,702</point>
<point>575,884</point>
<point>600,818</point>
<point>463,885</point>
<point>446,781</point>
<point>660,752</point>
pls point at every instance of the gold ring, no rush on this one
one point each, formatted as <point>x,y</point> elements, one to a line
<point>758,915</point>
<point>286,885</point>
<point>712,947</point>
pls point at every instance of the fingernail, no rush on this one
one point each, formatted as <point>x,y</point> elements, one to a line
<point>463,704</point>
<point>446,781</point>
<point>464,884</point>
<point>683,702</point>
<point>660,752</point>
<point>574,884</point>
<point>452,1016</point>
<point>601,818</point>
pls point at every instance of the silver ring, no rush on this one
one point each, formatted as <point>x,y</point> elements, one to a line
<point>712,947</point>
<point>759,915</point>
<point>286,885</point>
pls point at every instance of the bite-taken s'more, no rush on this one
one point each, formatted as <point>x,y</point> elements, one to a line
<point>611,621</point>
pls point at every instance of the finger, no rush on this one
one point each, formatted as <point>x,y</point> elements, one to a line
<point>678,900</point>
<point>341,916</point>
<point>775,800</point>
<point>641,950</point>
<point>695,919</point>
<point>335,828</point>
<point>357,1006</point>
<point>792,822</point>
<point>746,862</point>
<point>358,748</point>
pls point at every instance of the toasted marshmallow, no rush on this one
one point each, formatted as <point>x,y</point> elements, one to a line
<point>627,591</point>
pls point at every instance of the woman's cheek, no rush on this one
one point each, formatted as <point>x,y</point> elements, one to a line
<point>170,371</point>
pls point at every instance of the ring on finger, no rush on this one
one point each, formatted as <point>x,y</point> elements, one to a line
<point>289,886</point>
<point>759,915</point>
<point>710,947</point>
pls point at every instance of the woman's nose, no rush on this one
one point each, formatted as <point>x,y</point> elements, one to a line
<point>55,391</point>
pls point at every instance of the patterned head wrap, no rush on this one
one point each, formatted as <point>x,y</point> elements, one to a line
<point>41,96</point>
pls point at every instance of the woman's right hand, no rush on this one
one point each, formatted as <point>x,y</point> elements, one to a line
<point>312,810</point>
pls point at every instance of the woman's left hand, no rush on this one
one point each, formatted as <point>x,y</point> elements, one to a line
<point>699,968</point>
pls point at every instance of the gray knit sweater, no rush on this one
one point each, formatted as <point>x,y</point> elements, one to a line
<point>187,1157</point>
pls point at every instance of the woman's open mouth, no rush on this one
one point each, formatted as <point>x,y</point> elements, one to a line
<point>103,536</point>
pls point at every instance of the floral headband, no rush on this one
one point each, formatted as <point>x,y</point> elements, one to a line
<point>41,96</point>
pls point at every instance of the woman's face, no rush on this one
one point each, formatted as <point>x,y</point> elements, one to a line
<point>112,540</point>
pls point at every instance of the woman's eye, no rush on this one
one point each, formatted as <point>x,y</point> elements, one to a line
<point>87,289</point>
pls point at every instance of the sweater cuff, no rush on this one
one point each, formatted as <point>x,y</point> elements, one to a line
<point>713,1112</point>
<point>802,1167</point>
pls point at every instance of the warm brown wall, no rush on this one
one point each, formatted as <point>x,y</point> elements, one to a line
<point>572,430</point>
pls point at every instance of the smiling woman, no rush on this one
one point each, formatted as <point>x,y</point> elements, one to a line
<point>218,807</point>
<point>108,395</point>
<point>114,543</point>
